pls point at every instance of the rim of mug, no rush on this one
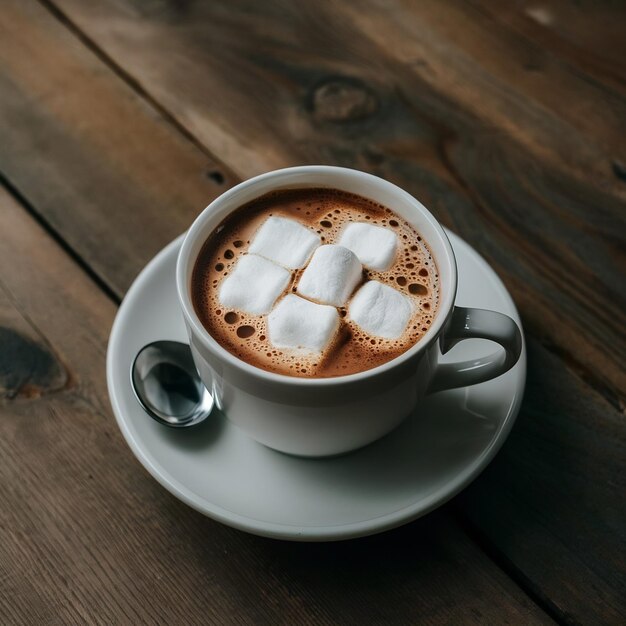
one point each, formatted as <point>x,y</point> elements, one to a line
<point>185,264</point>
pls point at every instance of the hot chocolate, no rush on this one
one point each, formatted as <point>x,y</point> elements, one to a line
<point>315,283</point>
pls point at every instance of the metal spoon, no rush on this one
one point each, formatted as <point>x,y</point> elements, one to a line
<point>167,385</point>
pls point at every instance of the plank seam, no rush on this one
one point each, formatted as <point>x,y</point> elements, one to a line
<point>139,90</point>
<point>17,195</point>
<point>504,565</point>
<point>500,560</point>
<point>513,572</point>
<point>610,394</point>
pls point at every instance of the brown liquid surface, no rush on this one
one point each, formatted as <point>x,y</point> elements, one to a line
<point>326,212</point>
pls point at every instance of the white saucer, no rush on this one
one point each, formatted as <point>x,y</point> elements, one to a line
<point>222,473</point>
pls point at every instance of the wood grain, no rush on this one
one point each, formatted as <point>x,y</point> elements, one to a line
<point>506,126</point>
<point>86,536</point>
<point>511,141</point>
<point>99,165</point>
<point>28,367</point>
<point>588,35</point>
<point>550,506</point>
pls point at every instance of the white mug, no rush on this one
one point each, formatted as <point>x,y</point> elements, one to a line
<point>327,416</point>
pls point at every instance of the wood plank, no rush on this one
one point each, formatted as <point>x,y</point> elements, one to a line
<point>28,368</point>
<point>98,163</point>
<point>510,144</point>
<point>86,536</point>
<point>551,504</point>
<point>589,35</point>
<point>357,104</point>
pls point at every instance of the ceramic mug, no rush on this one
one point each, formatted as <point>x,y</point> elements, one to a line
<point>326,416</point>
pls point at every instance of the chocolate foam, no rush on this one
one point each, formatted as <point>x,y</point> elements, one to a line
<point>326,211</point>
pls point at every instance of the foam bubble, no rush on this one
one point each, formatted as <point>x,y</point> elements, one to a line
<point>352,350</point>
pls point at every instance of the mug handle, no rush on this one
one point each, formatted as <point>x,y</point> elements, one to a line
<point>468,323</point>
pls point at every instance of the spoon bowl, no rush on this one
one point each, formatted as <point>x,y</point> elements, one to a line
<point>167,385</point>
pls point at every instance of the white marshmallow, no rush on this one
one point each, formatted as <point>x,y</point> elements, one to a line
<point>285,242</point>
<point>331,276</point>
<point>374,246</point>
<point>253,285</point>
<point>298,324</point>
<point>380,310</point>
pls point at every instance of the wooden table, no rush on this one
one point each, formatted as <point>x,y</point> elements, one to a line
<point>121,119</point>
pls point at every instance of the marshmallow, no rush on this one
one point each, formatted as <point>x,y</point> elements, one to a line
<point>254,285</point>
<point>299,324</point>
<point>331,276</point>
<point>374,246</point>
<point>285,242</point>
<point>380,310</point>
